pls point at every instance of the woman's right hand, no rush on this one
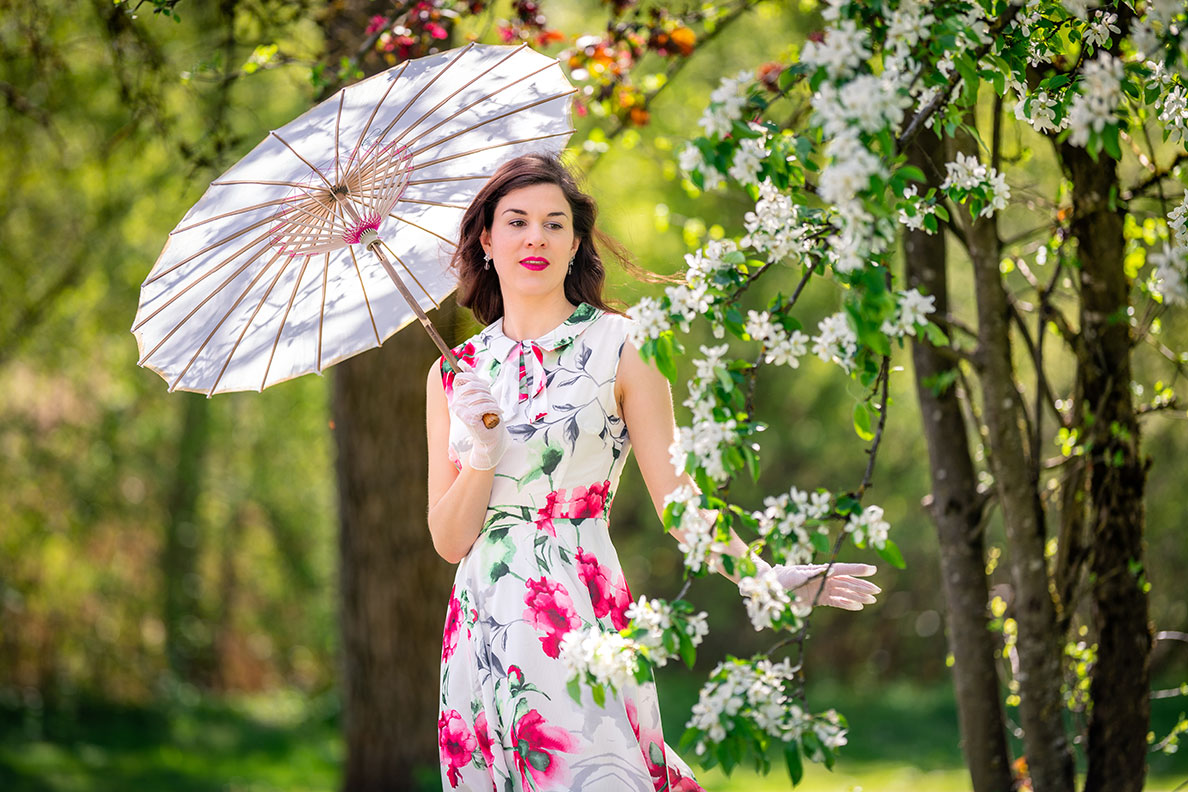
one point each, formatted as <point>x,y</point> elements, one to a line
<point>472,399</point>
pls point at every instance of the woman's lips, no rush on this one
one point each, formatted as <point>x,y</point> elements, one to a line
<point>534,264</point>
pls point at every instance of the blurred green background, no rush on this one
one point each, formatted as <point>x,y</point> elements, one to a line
<point>112,128</point>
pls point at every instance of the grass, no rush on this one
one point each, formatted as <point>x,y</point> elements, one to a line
<point>903,739</point>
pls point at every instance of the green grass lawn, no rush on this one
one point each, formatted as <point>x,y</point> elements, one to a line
<point>903,740</point>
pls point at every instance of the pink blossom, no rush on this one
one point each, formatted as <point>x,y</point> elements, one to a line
<point>455,743</point>
<point>550,609</point>
<point>436,31</point>
<point>376,24</point>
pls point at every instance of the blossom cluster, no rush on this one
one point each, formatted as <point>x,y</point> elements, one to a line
<point>836,341</point>
<point>602,657</point>
<point>775,228</point>
<point>1097,102</point>
<point>1169,277</point>
<point>984,187</point>
<point>700,542</point>
<point>767,601</point>
<point>868,527</point>
<point>911,312</point>
<point>746,696</point>
<point>784,522</point>
<point>779,346</point>
<point>662,629</point>
<point>706,440</point>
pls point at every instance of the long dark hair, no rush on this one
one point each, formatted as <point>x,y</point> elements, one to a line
<point>478,288</point>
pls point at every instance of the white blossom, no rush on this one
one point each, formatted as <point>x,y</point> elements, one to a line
<point>726,104</point>
<point>774,227</point>
<point>766,599</point>
<point>754,692</point>
<point>967,173</point>
<point>649,320</point>
<point>1099,30</point>
<point>841,51</point>
<point>1042,117</point>
<point>607,656</point>
<point>748,158</point>
<point>1168,275</point>
<point>869,526</point>
<point>837,341</point>
<point>787,350</point>
<point>913,309</point>
<point>1099,96</point>
<point>1173,112</point>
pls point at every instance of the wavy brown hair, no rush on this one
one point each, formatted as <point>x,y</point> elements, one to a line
<point>478,288</point>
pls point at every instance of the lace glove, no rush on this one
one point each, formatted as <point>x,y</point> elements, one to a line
<point>843,589</point>
<point>471,401</point>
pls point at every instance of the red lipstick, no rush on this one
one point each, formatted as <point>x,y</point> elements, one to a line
<point>534,263</point>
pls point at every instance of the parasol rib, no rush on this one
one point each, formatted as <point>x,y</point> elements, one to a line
<point>410,274</point>
<point>322,312</point>
<point>395,216</point>
<point>391,84</point>
<point>457,91</point>
<point>491,120</point>
<point>284,320</point>
<point>479,101</point>
<point>154,276</point>
<point>437,76</point>
<point>233,212</point>
<point>366,299</point>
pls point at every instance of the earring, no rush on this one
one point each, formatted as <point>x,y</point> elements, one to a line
<point>570,271</point>
<point>487,260</point>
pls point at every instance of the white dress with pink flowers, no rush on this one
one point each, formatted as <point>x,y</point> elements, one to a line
<point>542,566</point>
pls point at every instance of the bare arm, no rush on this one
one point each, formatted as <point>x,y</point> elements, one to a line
<point>457,499</point>
<point>645,402</point>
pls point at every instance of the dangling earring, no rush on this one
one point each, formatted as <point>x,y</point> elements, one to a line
<point>570,271</point>
<point>487,260</point>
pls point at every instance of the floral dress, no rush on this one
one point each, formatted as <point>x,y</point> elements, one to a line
<point>542,566</point>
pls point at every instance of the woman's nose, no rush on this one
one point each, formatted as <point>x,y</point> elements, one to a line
<point>536,237</point>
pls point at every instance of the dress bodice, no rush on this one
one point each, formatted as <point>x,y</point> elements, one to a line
<point>557,396</point>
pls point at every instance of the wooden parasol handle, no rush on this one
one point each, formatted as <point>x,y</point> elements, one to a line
<point>490,420</point>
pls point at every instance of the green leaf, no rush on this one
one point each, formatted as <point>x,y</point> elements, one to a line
<point>792,758</point>
<point>862,422</point>
<point>575,689</point>
<point>935,335</point>
<point>820,541</point>
<point>1110,141</point>
<point>666,357</point>
<point>599,693</point>
<point>912,172</point>
<point>889,552</point>
<point>688,651</point>
<point>847,504</point>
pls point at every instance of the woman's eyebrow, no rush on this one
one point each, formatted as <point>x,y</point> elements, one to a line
<point>522,212</point>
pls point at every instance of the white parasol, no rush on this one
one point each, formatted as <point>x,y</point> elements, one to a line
<point>266,279</point>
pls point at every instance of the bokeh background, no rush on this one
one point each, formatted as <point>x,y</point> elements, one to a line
<point>112,125</point>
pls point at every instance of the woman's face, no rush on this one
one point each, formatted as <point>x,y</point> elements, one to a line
<point>531,240</point>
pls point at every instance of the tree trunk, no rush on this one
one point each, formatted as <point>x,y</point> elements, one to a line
<point>394,587</point>
<point>958,523</point>
<point>179,556</point>
<point>1120,684</point>
<point>1041,708</point>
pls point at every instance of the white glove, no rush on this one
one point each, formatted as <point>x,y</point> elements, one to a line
<point>843,589</point>
<point>471,401</point>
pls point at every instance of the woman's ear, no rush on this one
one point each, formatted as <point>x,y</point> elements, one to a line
<point>577,243</point>
<point>485,240</point>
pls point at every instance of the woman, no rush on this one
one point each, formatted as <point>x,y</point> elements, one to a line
<point>522,507</point>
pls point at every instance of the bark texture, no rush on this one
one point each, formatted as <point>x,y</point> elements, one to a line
<point>1041,711</point>
<point>956,512</point>
<point>394,587</point>
<point>1120,684</point>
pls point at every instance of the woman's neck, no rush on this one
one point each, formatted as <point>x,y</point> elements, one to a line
<point>526,318</point>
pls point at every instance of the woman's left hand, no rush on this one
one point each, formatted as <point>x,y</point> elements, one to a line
<point>843,587</point>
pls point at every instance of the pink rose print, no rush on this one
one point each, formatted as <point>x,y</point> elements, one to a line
<point>554,507</point>
<point>484,738</point>
<point>620,600</point>
<point>456,744</point>
<point>607,598</point>
<point>589,501</point>
<point>465,355</point>
<point>449,638</point>
<point>536,747</point>
<point>550,609</point>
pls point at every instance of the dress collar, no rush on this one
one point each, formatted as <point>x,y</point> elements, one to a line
<point>519,374</point>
